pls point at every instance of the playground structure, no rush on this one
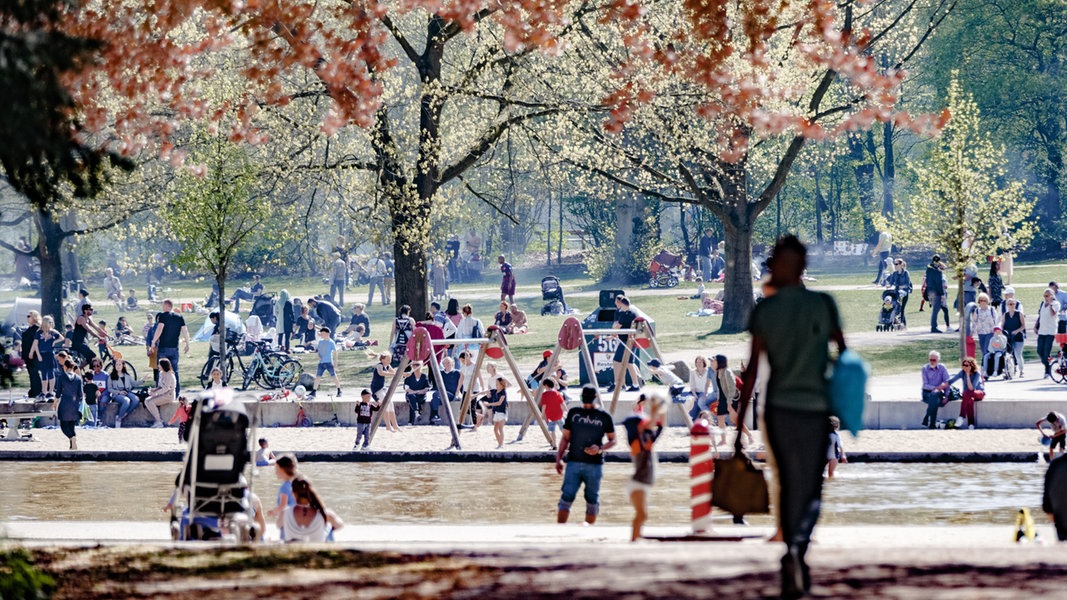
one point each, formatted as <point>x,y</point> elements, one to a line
<point>573,337</point>
<point>422,348</point>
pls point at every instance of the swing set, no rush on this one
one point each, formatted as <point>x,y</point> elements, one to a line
<point>572,337</point>
<point>422,348</point>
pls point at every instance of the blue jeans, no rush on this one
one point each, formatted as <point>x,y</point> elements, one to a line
<point>701,401</point>
<point>127,403</point>
<point>337,291</point>
<point>983,343</point>
<point>239,295</point>
<point>932,399</point>
<point>171,354</point>
<point>1044,348</point>
<point>935,306</point>
<point>576,474</point>
<point>376,282</point>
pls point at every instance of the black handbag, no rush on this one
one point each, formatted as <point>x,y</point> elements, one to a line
<point>739,487</point>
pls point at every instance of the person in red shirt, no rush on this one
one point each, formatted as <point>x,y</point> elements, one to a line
<point>553,406</point>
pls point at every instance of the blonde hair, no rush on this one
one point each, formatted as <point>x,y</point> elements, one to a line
<point>49,321</point>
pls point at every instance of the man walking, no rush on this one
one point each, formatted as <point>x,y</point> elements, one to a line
<point>337,283</point>
<point>935,289</point>
<point>376,272</point>
<point>170,327</point>
<point>583,444</point>
<point>707,243</point>
<point>798,400</point>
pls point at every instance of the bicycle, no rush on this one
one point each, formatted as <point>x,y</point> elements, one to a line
<point>267,369</point>
<point>1059,367</point>
<point>113,355</point>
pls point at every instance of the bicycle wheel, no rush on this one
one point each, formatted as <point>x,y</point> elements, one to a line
<point>129,368</point>
<point>1059,368</point>
<point>268,373</point>
<point>287,373</point>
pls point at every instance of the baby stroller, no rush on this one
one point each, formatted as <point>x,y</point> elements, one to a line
<point>552,294</point>
<point>212,498</point>
<point>664,270</point>
<point>263,307</point>
<point>889,314</point>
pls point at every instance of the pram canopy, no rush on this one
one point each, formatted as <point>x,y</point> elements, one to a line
<point>666,259</point>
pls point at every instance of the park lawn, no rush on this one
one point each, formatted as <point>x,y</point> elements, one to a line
<point>675,332</point>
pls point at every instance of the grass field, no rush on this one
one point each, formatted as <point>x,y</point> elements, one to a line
<point>858,301</point>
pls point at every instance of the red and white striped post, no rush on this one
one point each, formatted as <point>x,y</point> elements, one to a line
<point>700,471</point>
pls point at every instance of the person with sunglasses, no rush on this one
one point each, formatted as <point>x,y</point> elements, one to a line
<point>935,379</point>
<point>1014,325</point>
<point>900,281</point>
<point>973,389</point>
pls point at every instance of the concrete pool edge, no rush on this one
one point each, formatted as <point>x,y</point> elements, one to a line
<point>463,456</point>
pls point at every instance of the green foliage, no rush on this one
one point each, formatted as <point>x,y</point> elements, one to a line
<point>20,580</point>
<point>965,206</point>
<point>213,213</point>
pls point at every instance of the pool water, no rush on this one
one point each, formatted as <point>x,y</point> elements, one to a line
<point>412,493</point>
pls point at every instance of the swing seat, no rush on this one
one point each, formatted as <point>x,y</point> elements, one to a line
<point>494,352</point>
<point>643,343</point>
<point>570,334</point>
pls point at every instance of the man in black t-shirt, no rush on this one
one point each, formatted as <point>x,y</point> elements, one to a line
<point>624,319</point>
<point>170,327</point>
<point>583,443</point>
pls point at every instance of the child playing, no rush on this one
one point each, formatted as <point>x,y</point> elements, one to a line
<point>554,407</point>
<point>835,452</point>
<point>364,411</point>
<point>181,415</point>
<point>1059,432</point>
<point>327,351</point>
<point>131,300</point>
<point>285,471</point>
<point>642,431</point>
<point>101,342</point>
<point>92,394</point>
<point>264,456</point>
<point>44,349</point>
<point>497,400</point>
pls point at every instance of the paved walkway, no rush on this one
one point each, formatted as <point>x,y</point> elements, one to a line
<point>546,561</point>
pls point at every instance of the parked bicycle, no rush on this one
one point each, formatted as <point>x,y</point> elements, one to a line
<point>266,368</point>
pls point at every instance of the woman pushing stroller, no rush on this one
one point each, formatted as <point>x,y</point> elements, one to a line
<point>900,281</point>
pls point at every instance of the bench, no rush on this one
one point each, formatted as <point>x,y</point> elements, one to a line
<point>14,414</point>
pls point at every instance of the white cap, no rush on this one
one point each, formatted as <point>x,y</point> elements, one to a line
<point>1009,290</point>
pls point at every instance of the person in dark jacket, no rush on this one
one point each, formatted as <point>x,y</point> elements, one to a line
<point>28,337</point>
<point>935,289</point>
<point>900,281</point>
<point>288,319</point>
<point>69,395</point>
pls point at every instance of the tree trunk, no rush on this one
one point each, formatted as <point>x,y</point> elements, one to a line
<point>889,171</point>
<point>410,274</point>
<point>220,279</point>
<point>961,316</point>
<point>864,173</point>
<point>737,303</point>
<point>71,267</point>
<point>50,238</point>
<point>627,214</point>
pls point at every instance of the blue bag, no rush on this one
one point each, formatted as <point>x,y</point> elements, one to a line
<point>848,390</point>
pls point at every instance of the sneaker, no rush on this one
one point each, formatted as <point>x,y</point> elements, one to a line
<point>158,425</point>
<point>633,388</point>
<point>363,447</point>
<point>610,388</point>
<point>118,422</point>
<point>338,392</point>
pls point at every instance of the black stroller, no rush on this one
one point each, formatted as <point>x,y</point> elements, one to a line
<point>889,315</point>
<point>552,294</point>
<point>213,497</point>
<point>263,307</point>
